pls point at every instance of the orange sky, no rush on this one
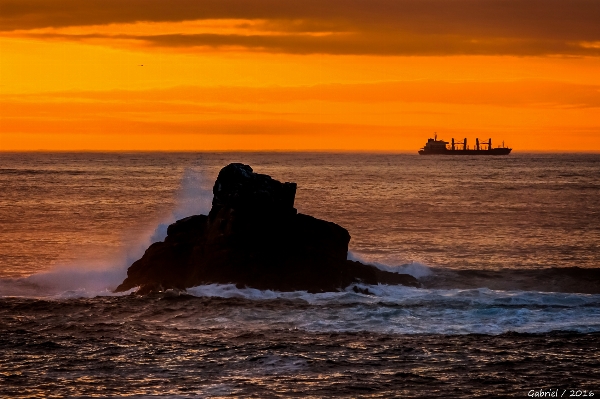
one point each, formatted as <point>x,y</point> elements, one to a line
<point>375,75</point>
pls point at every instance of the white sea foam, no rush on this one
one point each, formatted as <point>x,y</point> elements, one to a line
<point>402,295</point>
<point>406,310</point>
<point>390,309</point>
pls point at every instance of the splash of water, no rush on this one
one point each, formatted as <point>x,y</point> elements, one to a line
<point>415,269</point>
<point>193,198</point>
<point>77,280</point>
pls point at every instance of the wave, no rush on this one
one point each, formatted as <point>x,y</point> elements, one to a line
<point>392,295</point>
<point>387,310</point>
<point>82,283</point>
<point>406,310</point>
<point>553,279</point>
<point>415,269</point>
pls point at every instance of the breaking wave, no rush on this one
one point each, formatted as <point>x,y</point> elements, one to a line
<point>415,269</point>
<point>406,310</point>
<point>386,310</point>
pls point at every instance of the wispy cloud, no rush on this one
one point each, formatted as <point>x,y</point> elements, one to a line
<point>226,99</point>
<point>375,27</point>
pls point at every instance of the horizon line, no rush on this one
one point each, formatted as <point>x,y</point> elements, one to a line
<point>341,151</point>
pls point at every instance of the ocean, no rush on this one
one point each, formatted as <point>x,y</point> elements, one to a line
<point>507,249</point>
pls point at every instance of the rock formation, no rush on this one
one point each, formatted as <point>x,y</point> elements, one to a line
<point>254,237</point>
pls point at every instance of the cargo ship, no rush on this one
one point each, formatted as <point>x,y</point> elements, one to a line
<point>435,146</point>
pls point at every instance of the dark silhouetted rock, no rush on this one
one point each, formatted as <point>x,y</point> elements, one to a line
<point>254,237</point>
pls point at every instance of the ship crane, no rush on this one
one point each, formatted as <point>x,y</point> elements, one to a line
<point>463,143</point>
<point>488,143</point>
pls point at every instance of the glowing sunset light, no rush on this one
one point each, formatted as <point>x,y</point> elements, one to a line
<point>282,75</point>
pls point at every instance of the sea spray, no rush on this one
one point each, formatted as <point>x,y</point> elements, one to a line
<point>415,269</point>
<point>81,278</point>
<point>193,198</point>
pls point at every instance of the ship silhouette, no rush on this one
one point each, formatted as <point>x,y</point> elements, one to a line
<point>435,147</point>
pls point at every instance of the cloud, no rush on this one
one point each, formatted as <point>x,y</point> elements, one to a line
<point>214,127</point>
<point>375,27</point>
<point>227,99</point>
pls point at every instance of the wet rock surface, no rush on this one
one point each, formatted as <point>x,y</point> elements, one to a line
<point>253,237</point>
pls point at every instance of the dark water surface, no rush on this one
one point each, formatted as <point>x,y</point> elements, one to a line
<point>507,248</point>
<point>189,346</point>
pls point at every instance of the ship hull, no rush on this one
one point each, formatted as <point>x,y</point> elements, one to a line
<point>493,151</point>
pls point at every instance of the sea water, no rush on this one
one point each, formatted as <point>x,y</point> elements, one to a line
<point>506,248</point>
